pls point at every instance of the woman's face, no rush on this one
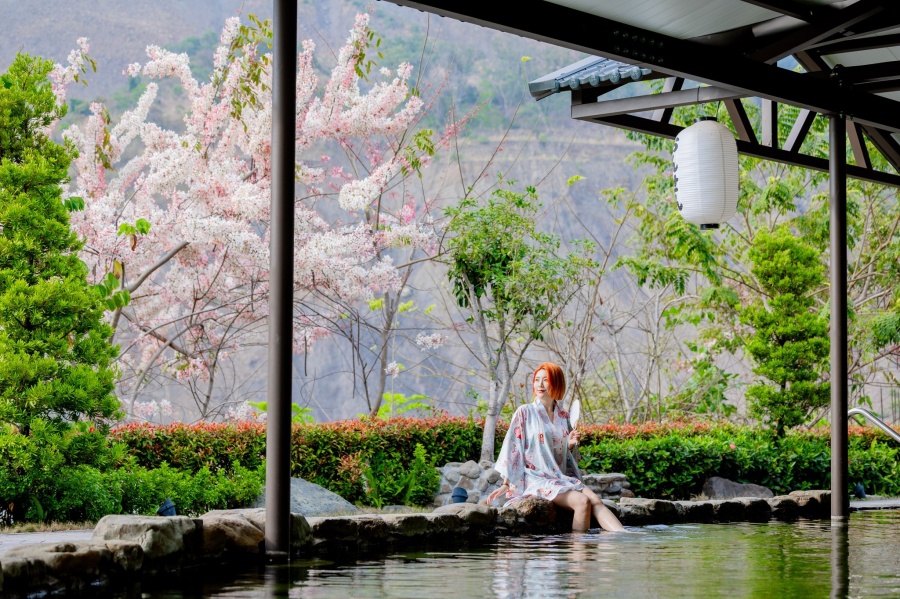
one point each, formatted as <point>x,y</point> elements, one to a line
<point>541,385</point>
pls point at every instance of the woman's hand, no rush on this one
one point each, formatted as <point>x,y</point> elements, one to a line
<point>574,436</point>
<point>497,492</point>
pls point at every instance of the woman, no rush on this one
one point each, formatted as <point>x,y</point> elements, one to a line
<point>535,452</point>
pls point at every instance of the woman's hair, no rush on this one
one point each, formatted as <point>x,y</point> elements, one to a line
<point>556,379</point>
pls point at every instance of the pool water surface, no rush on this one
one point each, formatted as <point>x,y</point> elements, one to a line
<point>806,559</point>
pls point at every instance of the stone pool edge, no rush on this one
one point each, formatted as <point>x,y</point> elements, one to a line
<point>125,549</point>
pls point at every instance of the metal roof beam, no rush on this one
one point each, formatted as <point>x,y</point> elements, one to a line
<point>870,73</point>
<point>789,8</point>
<point>857,44</point>
<point>673,84</point>
<point>650,127</point>
<point>685,97</point>
<point>584,32</point>
<point>858,145</point>
<point>819,30</point>
<point>741,121</point>
<point>799,130</point>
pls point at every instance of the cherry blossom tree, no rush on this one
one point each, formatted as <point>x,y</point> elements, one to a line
<point>176,221</point>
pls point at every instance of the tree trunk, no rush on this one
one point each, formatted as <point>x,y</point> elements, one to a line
<point>490,422</point>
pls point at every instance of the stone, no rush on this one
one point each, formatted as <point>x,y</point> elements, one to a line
<point>452,475</point>
<point>309,499</point>
<point>813,504</point>
<point>445,488</point>
<point>470,470</point>
<point>613,507</point>
<point>465,483</point>
<point>482,484</point>
<point>474,497</point>
<point>728,510</point>
<point>784,507</point>
<point>64,560</point>
<point>648,511</point>
<point>492,475</point>
<point>127,556</point>
<point>722,488</point>
<point>626,492</point>
<point>602,480</point>
<point>158,536</point>
<point>231,534</point>
<point>696,511</point>
<point>508,517</point>
<point>485,464</point>
<point>756,509</point>
<point>407,525</point>
<point>22,573</point>
<point>301,535</point>
<point>536,512</point>
<point>471,514</point>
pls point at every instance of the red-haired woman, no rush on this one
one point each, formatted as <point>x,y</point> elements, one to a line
<point>536,450</point>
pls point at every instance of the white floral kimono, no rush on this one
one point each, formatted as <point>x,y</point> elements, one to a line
<point>535,453</point>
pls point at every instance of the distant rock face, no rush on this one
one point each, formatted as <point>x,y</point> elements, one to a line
<point>309,499</point>
<point>722,488</point>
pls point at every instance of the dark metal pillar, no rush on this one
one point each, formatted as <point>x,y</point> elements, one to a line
<point>840,500</point>
<point>281,280</point>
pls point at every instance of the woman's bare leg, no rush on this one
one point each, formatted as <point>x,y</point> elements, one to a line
<point>580,506</point>
<point>604,516</point>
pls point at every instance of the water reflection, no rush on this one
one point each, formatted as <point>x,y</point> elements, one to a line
<point>840,560</point>
<point>803,559</point>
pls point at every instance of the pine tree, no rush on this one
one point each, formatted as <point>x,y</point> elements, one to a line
<point>55,358</point>
<point>790,344</point>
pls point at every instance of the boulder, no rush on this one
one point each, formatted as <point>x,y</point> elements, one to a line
<point>471,469</point>
<point>63,560</point>
<point>126,556</point>
<point>474,515</point>
<point>756,509</point>
<point>784,507</point>
<point>535,512</point>
<point>722,488</point>
<point>159,537</point>
<point>813,504</point>
<point>728,510</point>
<point>309,499</point>
<point>231,534</point>
<point>696,511</point>
<point>23,573</point>
<point>637,510</point>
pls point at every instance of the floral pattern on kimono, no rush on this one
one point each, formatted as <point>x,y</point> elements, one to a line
<point>534,453</point>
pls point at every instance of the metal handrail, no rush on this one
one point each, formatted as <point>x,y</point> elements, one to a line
<point>876,421</point>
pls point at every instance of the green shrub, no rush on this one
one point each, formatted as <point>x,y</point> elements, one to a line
<point>394,479</point>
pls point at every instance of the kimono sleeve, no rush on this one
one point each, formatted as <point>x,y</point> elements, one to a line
<point>511,461</point>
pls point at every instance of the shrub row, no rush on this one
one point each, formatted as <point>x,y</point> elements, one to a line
<point>665,460</point>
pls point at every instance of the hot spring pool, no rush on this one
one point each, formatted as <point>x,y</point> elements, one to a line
<point>807,559</point>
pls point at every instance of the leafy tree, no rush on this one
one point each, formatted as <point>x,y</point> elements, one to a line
<point>54,350</point>
<point>790,342</point>
<point>508,278</point>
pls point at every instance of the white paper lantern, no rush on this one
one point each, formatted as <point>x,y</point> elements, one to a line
<point>706,173</point>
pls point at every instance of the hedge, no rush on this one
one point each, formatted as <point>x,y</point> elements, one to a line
<point>664,460</point>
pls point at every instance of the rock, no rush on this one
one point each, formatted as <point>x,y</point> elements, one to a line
<point>471,470</point>
<point>813,504</point>
<point>64,560</point>
<point>536,512</point>
<point>508,517</point>
<point>492,475</point>
<point>474,497</point>
<point>309,499</point>
<point>397,509</point>
<point>23,573</point>
<point>722,488</point>
<point>159,537</point>
<point>784,507</point>
<point>451,474</point>
<point>407,525</point>
<point>613,507</point>
<point>486,464</point>
<point>465,483</point>
<point>231,533</point>
<point>301,536</point>
<point>756,509</point>
<point>697,511</point>
<point>626,492</point>
<point>728,510</point>
<point>125,555</point>
<point>473,515</point>
<point>648,511</point>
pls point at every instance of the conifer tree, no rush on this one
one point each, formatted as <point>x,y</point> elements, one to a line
<point>55,357</point>
<point>790,344</point>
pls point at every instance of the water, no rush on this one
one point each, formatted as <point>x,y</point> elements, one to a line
<point>803,559</point>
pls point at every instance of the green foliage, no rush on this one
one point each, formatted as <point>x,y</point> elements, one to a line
<point>298,415</point>
<point>675,465</point>
<point>704,391</point>
<point>502,267</point>
<point>55,360</point>
<point>390,479</point>
<point>790,342</point>
<point>397,404</point>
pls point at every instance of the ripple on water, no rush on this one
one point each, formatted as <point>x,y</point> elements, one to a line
<point>802,559</point>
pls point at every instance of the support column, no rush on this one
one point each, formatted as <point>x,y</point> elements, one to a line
<point>281,281</point>
<point>840,500</point>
